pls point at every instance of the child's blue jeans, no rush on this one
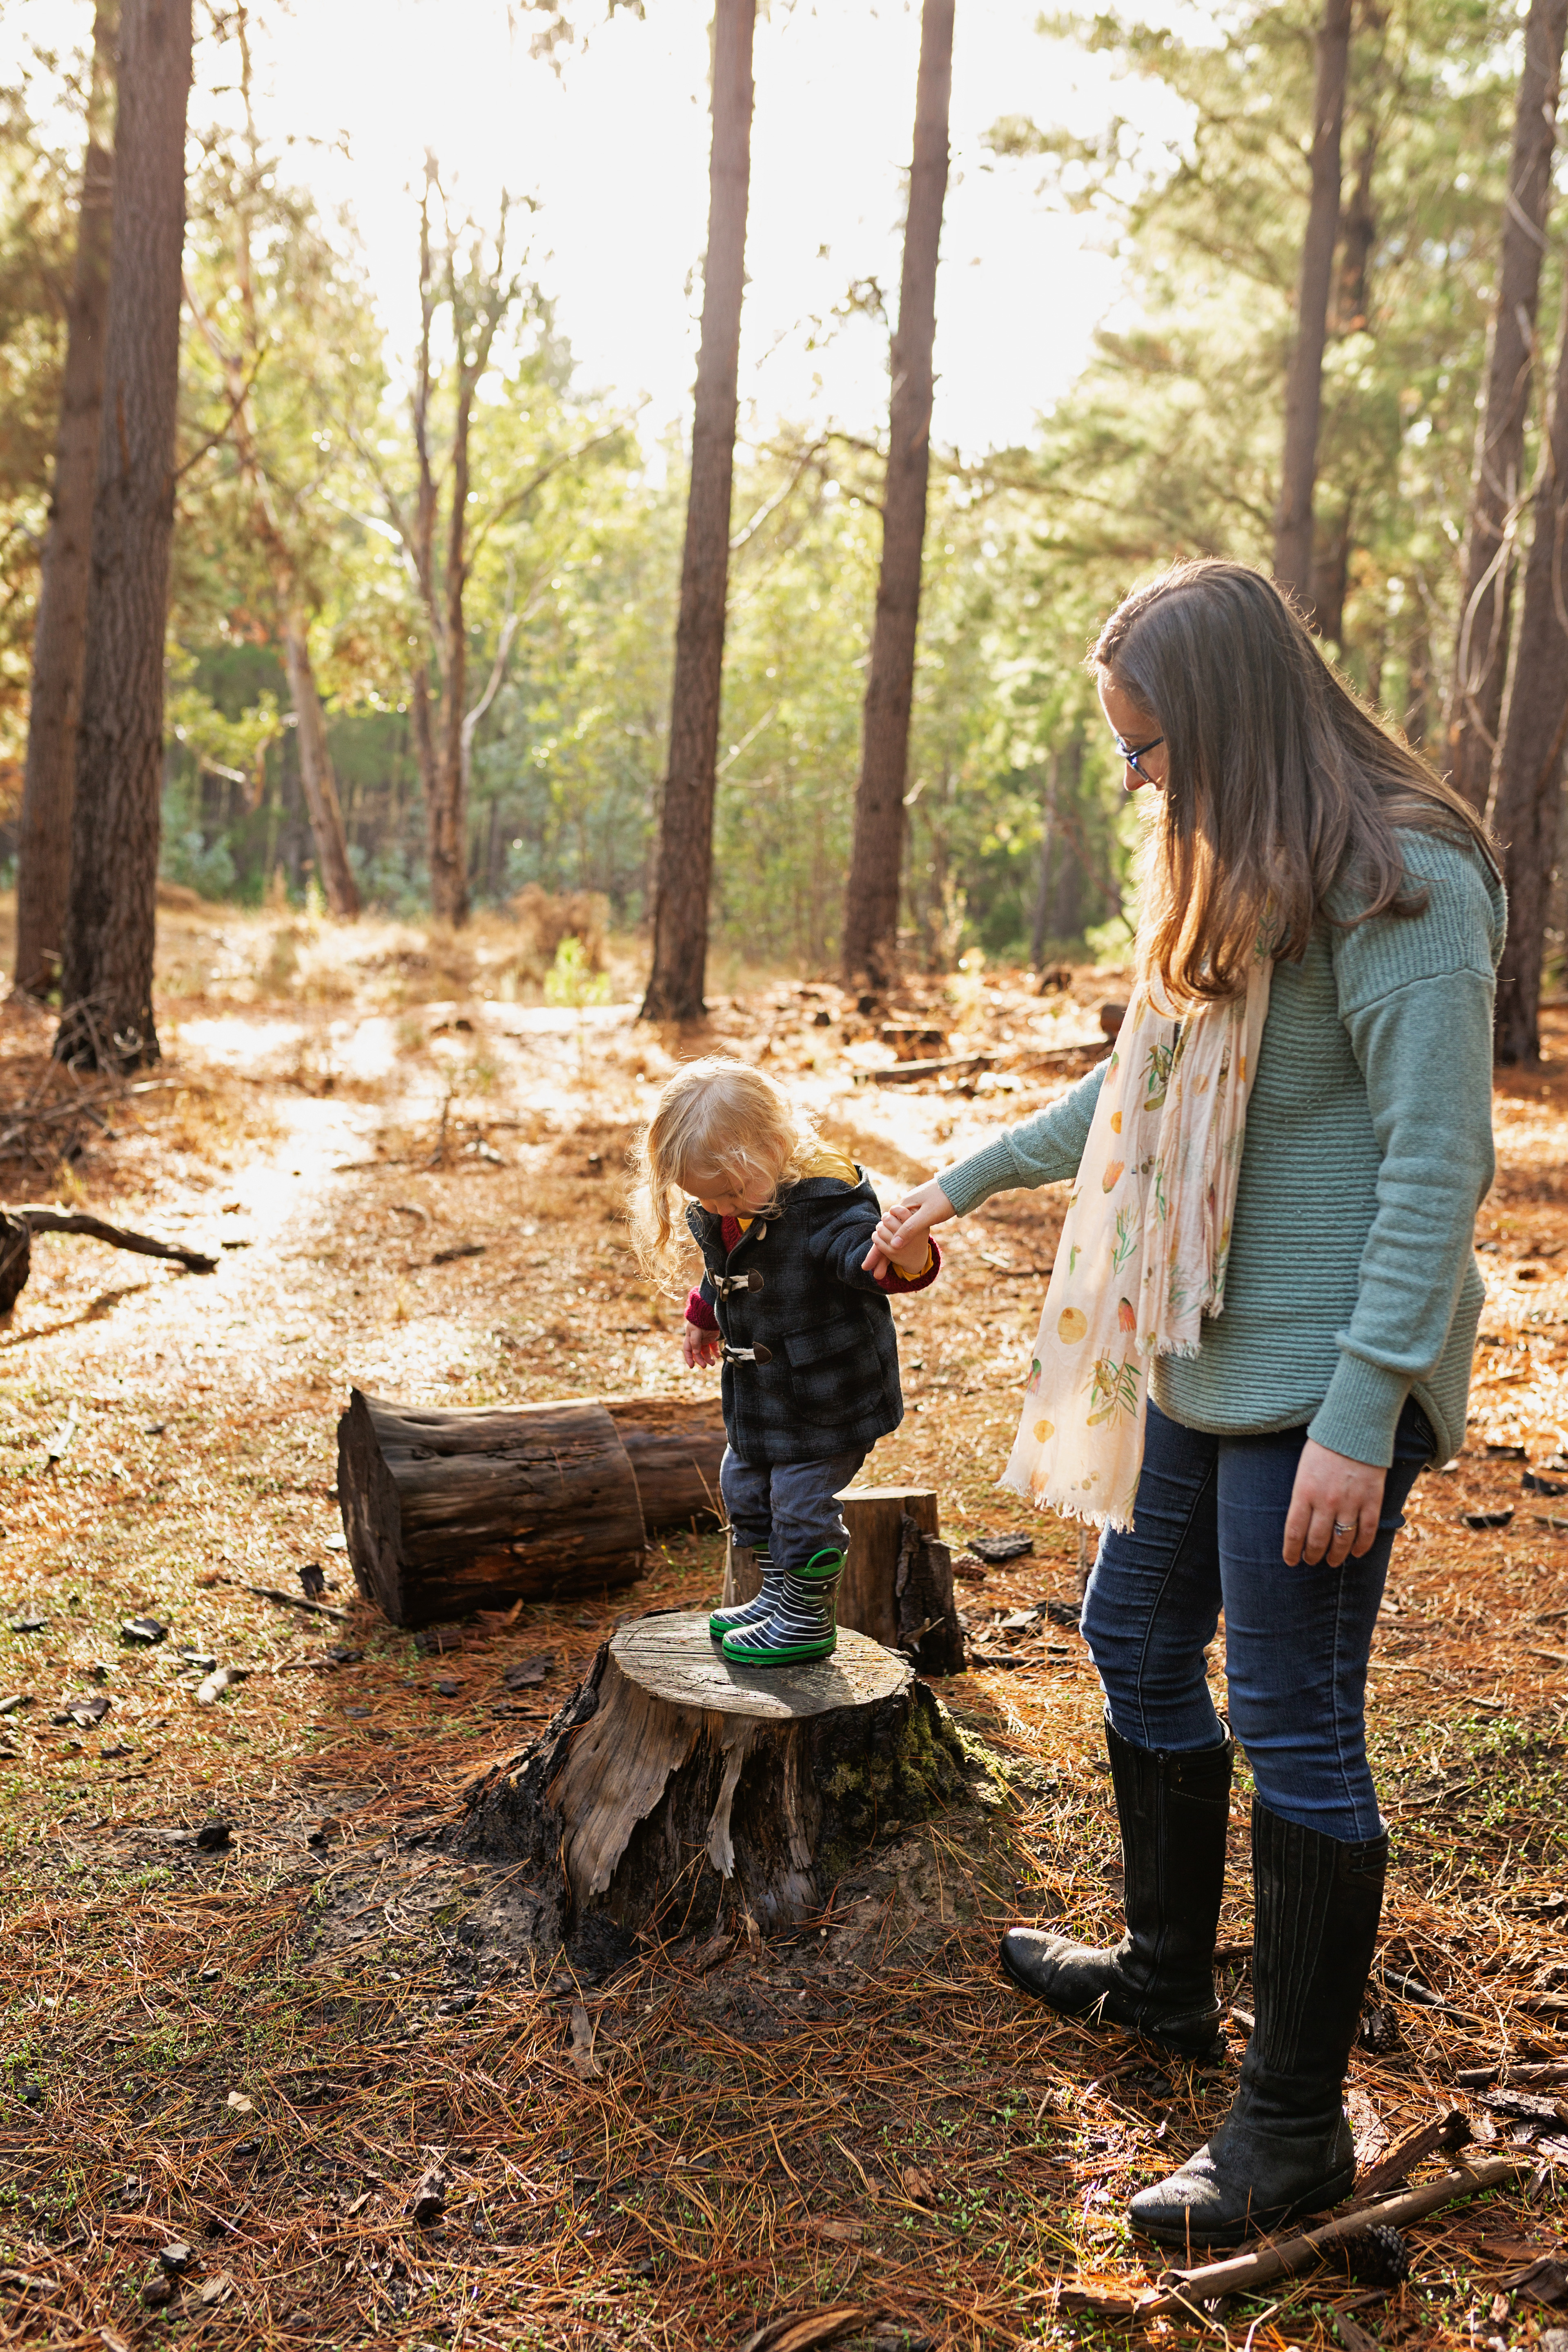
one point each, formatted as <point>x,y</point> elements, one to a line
<point>789,1508</point>
<point>1208,1532</point>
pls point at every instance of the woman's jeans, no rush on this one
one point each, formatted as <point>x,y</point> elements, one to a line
<point>1208,1533</point>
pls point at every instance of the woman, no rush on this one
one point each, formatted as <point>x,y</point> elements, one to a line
<point>1278,1172</point>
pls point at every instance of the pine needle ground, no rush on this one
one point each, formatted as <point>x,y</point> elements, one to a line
<point>259,2048</point>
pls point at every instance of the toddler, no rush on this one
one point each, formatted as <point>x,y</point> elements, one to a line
<point>803,1328</point>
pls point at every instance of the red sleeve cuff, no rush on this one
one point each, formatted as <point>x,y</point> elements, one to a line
<point>892,1279</point>
<point>697,1311</point>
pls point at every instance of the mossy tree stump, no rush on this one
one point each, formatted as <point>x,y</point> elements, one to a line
<point>677,1792</point>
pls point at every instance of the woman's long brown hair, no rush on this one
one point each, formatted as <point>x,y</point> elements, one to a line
<point>1280,783</point>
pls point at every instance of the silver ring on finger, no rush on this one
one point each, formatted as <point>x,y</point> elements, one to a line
<point>1345,1527</point>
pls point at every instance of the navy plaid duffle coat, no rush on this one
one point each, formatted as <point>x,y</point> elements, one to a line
<point>831,1380</point>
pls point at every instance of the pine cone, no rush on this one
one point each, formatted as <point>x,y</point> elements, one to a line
<point>1377,2257</point>
<point>1379,2032</point>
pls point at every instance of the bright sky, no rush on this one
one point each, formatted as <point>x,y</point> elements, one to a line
<point>615,150</point>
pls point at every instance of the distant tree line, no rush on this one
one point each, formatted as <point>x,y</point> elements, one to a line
<point>296,630</point>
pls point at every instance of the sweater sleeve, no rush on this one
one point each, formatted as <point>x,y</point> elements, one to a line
<point>1425,1046</point>
<point>1044,1149</point>
<point>699,1307</point>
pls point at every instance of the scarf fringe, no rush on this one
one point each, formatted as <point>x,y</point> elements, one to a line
<point>1066,1509</point>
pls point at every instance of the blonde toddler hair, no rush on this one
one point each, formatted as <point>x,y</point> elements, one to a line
<point>719,1124</point>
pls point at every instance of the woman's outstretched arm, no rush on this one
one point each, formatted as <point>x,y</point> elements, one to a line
<point>1044,1149</point>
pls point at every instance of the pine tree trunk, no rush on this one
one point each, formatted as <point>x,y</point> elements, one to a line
<point>448,810</point>
<point>685,869</point>
<point>1529,766</point>
<point>1304,384</point>
<point>59,637</point>
<point>871,900</point>
<point>316,769</point>
<point>1048,844</point>
<point>110,929</point>
<point>1480,657</point>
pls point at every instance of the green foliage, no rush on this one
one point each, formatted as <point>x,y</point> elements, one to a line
<point>572,979</point>
<point>1167,446</point>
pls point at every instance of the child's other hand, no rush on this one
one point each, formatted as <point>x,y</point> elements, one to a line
<point>899,1237</point>
<point>700,1347</point>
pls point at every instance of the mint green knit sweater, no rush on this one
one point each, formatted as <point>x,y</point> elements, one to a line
<point>1351,1282</point>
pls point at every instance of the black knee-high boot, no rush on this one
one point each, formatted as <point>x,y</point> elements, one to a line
<point>1159,1979</point>
<point>1286,2146</point>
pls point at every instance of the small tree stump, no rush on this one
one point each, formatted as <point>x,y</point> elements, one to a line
<point>676,1791</point>
<point>897,1584</point>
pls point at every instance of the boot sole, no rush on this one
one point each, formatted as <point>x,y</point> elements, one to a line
<point>1196,2051</point>
<point>807,1653</point>
<point>1257,2225</point>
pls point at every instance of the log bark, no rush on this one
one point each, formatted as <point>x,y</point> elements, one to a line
<point>1480,658</point>
<point>897,1585</point>
<point>871,899</point>
<point>59,634</point>
<point>1304,384</point>
<point>675,1447</point>
<point>1528,799</point>
<point>448,1510</point>
<point>106,983</point>
<point>685,870</point>
<point>676,1792</point>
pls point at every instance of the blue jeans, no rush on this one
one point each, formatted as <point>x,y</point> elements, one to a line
<point>1208,1531</point>
<point>789,1508</point>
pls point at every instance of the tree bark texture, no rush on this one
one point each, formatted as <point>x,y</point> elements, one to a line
<point>106,981</point>
<point>1304,383</point>
<point>1528,800</point>
<point>59,634</point>
<point>1497,490</point>
<point>684,876</point>
<point>1047,847</point>
<point>676,1792</point>
<point>447,1511</point>
<point>316,773</point>
<point>449,803</point>
<point>871,900</point>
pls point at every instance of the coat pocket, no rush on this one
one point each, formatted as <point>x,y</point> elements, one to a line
<point>834,1374</point>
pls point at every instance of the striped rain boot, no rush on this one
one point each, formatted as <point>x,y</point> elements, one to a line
<point>761,1603</point>
<point>803,1625</point>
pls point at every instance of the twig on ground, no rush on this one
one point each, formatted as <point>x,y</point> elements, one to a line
<point>1242,2273</point>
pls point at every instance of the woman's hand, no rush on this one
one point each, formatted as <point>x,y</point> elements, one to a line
<point>1332,1493</point>
<point>700,1347</point>
<point>904,1224</point>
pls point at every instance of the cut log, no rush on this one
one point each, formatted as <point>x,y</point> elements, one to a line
<point>677,1792</point>
<point>446,1509</point>
<point>897,1584</point>
<point>675,1445</point>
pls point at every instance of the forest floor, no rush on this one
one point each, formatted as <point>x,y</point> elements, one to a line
<point>253,2047</point>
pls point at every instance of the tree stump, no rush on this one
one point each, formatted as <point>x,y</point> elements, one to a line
<point>897,1584</point>
<point>448,1509</point>
<point>677,1792</point>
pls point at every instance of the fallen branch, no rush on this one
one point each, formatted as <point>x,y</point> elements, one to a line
<point>1483,2078</point>
<point>1448,2132</point>
<point>1244,2273</point>
<point>58,1221</point>
<point>284,1600</point>
<point>906,1074</point>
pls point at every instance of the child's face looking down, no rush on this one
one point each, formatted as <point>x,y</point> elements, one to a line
<point>720,1196</point>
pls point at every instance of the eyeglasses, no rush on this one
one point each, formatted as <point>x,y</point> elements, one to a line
<point>1133,753</point>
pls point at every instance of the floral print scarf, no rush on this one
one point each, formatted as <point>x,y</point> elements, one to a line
<point>1142,1253</point>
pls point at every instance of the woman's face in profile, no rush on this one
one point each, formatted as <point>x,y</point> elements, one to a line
<point>1138,737</point>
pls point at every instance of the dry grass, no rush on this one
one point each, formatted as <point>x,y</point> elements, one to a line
<point>861,2114</point>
